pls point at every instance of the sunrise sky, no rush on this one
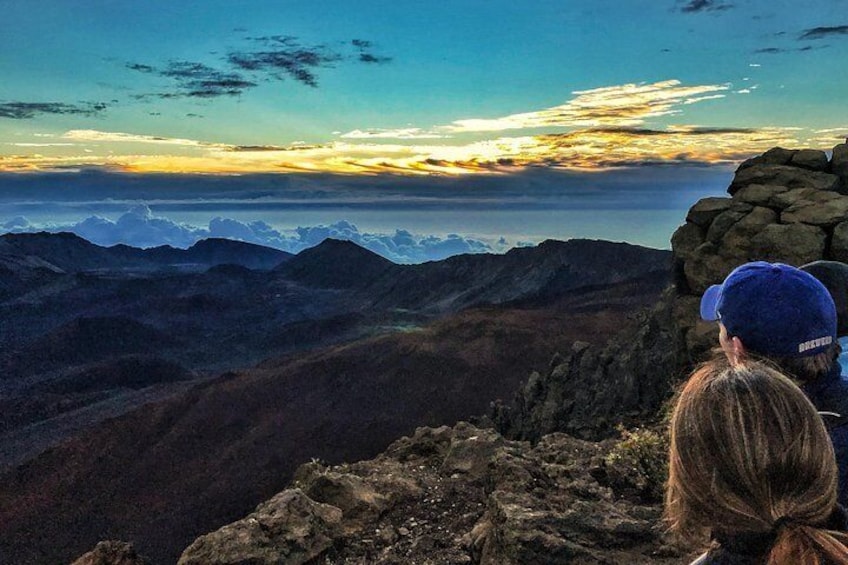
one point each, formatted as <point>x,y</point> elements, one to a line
<point>401,105</point>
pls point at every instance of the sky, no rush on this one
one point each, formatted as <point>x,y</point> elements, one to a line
<point>417,130</point>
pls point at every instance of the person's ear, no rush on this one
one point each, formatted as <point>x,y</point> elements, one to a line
<point>737,351</point>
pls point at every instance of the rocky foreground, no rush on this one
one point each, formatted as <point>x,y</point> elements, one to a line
<point>446,496</point>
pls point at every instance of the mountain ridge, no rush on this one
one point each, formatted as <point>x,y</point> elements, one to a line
<point>250,428</point>
<point>68,252</point>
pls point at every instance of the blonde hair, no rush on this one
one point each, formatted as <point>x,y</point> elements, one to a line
<point>749,454</point>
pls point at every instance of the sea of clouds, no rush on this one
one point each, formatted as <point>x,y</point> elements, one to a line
<point>140,227</point>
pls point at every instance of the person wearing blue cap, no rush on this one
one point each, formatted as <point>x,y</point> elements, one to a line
<point>834,276</point>
<point>786,316</point>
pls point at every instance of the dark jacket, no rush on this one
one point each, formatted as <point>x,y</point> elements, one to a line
<point>829,394</point>
<point>753,548</point>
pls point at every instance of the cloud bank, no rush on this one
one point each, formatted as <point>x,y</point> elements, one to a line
<point>139,227</point>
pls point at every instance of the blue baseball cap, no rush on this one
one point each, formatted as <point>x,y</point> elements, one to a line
<point>775,309</point>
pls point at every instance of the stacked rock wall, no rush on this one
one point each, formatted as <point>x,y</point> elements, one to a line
<point>788,206</point>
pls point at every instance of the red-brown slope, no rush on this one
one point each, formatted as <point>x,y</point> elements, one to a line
<point>168,472</point>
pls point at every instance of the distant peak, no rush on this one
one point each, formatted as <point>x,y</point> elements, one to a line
<point>334,247</point>
<point>336,263</point>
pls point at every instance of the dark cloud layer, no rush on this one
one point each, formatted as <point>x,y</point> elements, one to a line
<point>282,56</point>
<point>823,32</point>
<point>695,6</point>
<point>660,133</point>
<point>265,58</point>
<point>201,81</point>
<point>195,80</point>
<point>779,50</point>
<point>27,110</point>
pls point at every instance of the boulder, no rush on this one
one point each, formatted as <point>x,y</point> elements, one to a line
<point>759,194</point>
<point>470,452</point>
<point>774,156</point>
<point>358,500</point>
<point>707,266</point>
<point>112,553</point>
<point>789,198</point>
<point>289,529</point>
<point>783,175</point>
<point>722,223</point>
<point>705,210</point>
<point>736,237</point>
<point>811,159</point>
<point>686,239</point>
<point>839,243</point>
<point>839,162</point>
<point>794,244</point>
<point>818,209</point>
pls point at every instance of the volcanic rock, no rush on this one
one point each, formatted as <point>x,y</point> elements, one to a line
<point>112,553</point>
<point>449,496</point>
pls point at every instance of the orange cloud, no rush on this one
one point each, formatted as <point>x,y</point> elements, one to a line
<point>588,149</point>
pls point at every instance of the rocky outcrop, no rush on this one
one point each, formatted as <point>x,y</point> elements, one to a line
<point>789,206</point>
<point>289,528</point>
<point>112,553</point>
<point>590,391</point>
<point>449,496</point>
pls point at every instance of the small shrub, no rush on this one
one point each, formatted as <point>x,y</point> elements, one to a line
<point>637,466</point>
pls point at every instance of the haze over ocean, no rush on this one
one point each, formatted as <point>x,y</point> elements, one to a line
<point>418,133</point>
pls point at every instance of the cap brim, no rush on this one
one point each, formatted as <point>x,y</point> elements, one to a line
<point>709,302</point>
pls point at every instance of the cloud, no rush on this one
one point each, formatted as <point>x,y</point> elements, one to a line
<point>623,147</point>
<point>140,68</point>
<point>273,57</point>
<point>695,6</point>
<point>401,133</point>
<point>627,104</point>
<point>28,110</point>
<point>111,137</point>
<point>823,32</point>
<point>285,56</point>
<point>195,80</point>
<point>41,144</point>
<point>779,50</point>
<point>140,227</point>
<point>365,56</point>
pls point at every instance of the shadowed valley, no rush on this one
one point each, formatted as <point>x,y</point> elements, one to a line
<point>347,350</point>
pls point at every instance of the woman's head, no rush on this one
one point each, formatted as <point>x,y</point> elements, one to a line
<point>748,454</point>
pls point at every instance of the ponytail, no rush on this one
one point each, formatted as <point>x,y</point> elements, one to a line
<point>799,544</point>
